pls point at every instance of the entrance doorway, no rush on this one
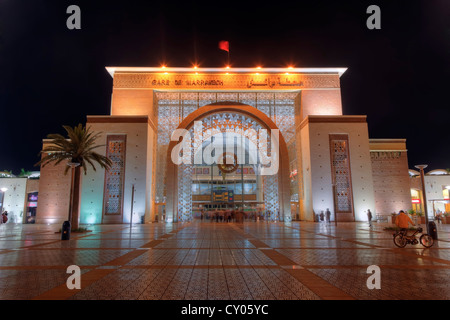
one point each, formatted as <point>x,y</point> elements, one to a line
<point>231,185</point>
<point>227,167</point>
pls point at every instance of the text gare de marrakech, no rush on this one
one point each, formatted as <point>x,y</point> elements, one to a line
<point>167,82</point>
<point>267,82</point>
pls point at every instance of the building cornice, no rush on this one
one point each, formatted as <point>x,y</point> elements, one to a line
<point>113,70</point>
<point>117,119</point>
<point>121,119</point>
<point>387,140</point>
<point>331,119</point>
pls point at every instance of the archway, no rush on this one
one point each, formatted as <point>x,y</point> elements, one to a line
<point>251,112</point>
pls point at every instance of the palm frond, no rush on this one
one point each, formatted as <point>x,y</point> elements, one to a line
<point>78,147</point>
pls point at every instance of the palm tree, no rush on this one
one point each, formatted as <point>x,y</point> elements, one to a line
<point>24,174</point>
<point>78,150</point>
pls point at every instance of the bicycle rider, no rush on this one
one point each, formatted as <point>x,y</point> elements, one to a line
<point>403,222</point>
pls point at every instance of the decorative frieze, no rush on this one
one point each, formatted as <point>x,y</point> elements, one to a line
<point>225,81</point>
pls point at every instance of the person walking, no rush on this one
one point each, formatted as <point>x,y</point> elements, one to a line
<point>4,217</point>
<point>369,217</point>
<point>328,215</point>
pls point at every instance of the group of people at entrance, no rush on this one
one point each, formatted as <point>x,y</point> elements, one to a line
<point>223,215</point>
<point>238,215</point>
<point>324,216</point>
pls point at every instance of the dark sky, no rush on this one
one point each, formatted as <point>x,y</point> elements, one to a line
<point>398,76</point>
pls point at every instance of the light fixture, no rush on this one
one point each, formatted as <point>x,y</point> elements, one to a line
<point>421,166</point>
<point>4,189</point>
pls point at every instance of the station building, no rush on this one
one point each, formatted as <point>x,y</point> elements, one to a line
<point>315,158</point>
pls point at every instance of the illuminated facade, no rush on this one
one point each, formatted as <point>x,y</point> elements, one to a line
<point>226,112</point>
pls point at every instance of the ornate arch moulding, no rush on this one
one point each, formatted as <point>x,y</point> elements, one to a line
<point>264,120</point>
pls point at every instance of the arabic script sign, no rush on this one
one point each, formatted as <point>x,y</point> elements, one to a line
<point>225,81</point>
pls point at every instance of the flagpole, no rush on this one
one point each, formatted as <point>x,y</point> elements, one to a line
<point>225,46</point>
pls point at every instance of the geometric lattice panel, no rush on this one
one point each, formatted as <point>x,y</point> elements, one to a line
<point>271,203</point>
<point>185,192</point>
<point>114,177</point>
<point>341,172</point>
<point>174,107</point>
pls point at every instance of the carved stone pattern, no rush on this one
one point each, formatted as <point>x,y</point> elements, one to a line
<point>161,165</point>
<point>185,192</point>
<point>173,107</point>
<point>294,181</point>
<point>386,155</point>
<point>271,202</point>
<point>227,122</point>
<point>115,176</point>
<point>341,172</point>
<point>239,81</point>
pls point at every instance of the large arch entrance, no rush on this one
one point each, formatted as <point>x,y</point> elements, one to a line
<point>234,132</point>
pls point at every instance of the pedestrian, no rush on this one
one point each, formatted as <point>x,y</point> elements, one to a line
<point>369,217</point>
<point>328,215</point>
<point>321,215</point>
<point>5,216</point>
<point>403,222</point>
<point>439,217</point>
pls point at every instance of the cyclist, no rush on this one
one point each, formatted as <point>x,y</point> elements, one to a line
<point>403,222</point>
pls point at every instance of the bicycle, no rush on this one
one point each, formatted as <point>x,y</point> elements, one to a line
<point>401,239</point>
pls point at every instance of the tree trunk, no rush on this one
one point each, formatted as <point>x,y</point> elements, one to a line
<point>76,199</point>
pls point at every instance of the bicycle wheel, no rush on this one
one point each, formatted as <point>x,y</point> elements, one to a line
<point>399,240</point>
<point>426,240</point>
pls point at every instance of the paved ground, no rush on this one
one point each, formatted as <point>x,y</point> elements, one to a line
<point>220,261</point>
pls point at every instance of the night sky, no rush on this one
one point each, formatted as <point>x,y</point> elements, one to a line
<point>398,76</point>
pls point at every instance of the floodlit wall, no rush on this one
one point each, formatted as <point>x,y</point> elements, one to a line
<point>321,102</point>
<point>14,198</point>
<point>54,193</point>
<point>390,175</point>
<point>138,170</point>
<point>317,164</point>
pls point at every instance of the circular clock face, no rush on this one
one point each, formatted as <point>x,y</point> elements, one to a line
<point>229,163</point>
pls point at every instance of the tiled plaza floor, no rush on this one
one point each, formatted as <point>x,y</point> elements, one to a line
<point>209,260</point>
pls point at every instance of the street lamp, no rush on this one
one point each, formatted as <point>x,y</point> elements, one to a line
<point>422,177</point>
